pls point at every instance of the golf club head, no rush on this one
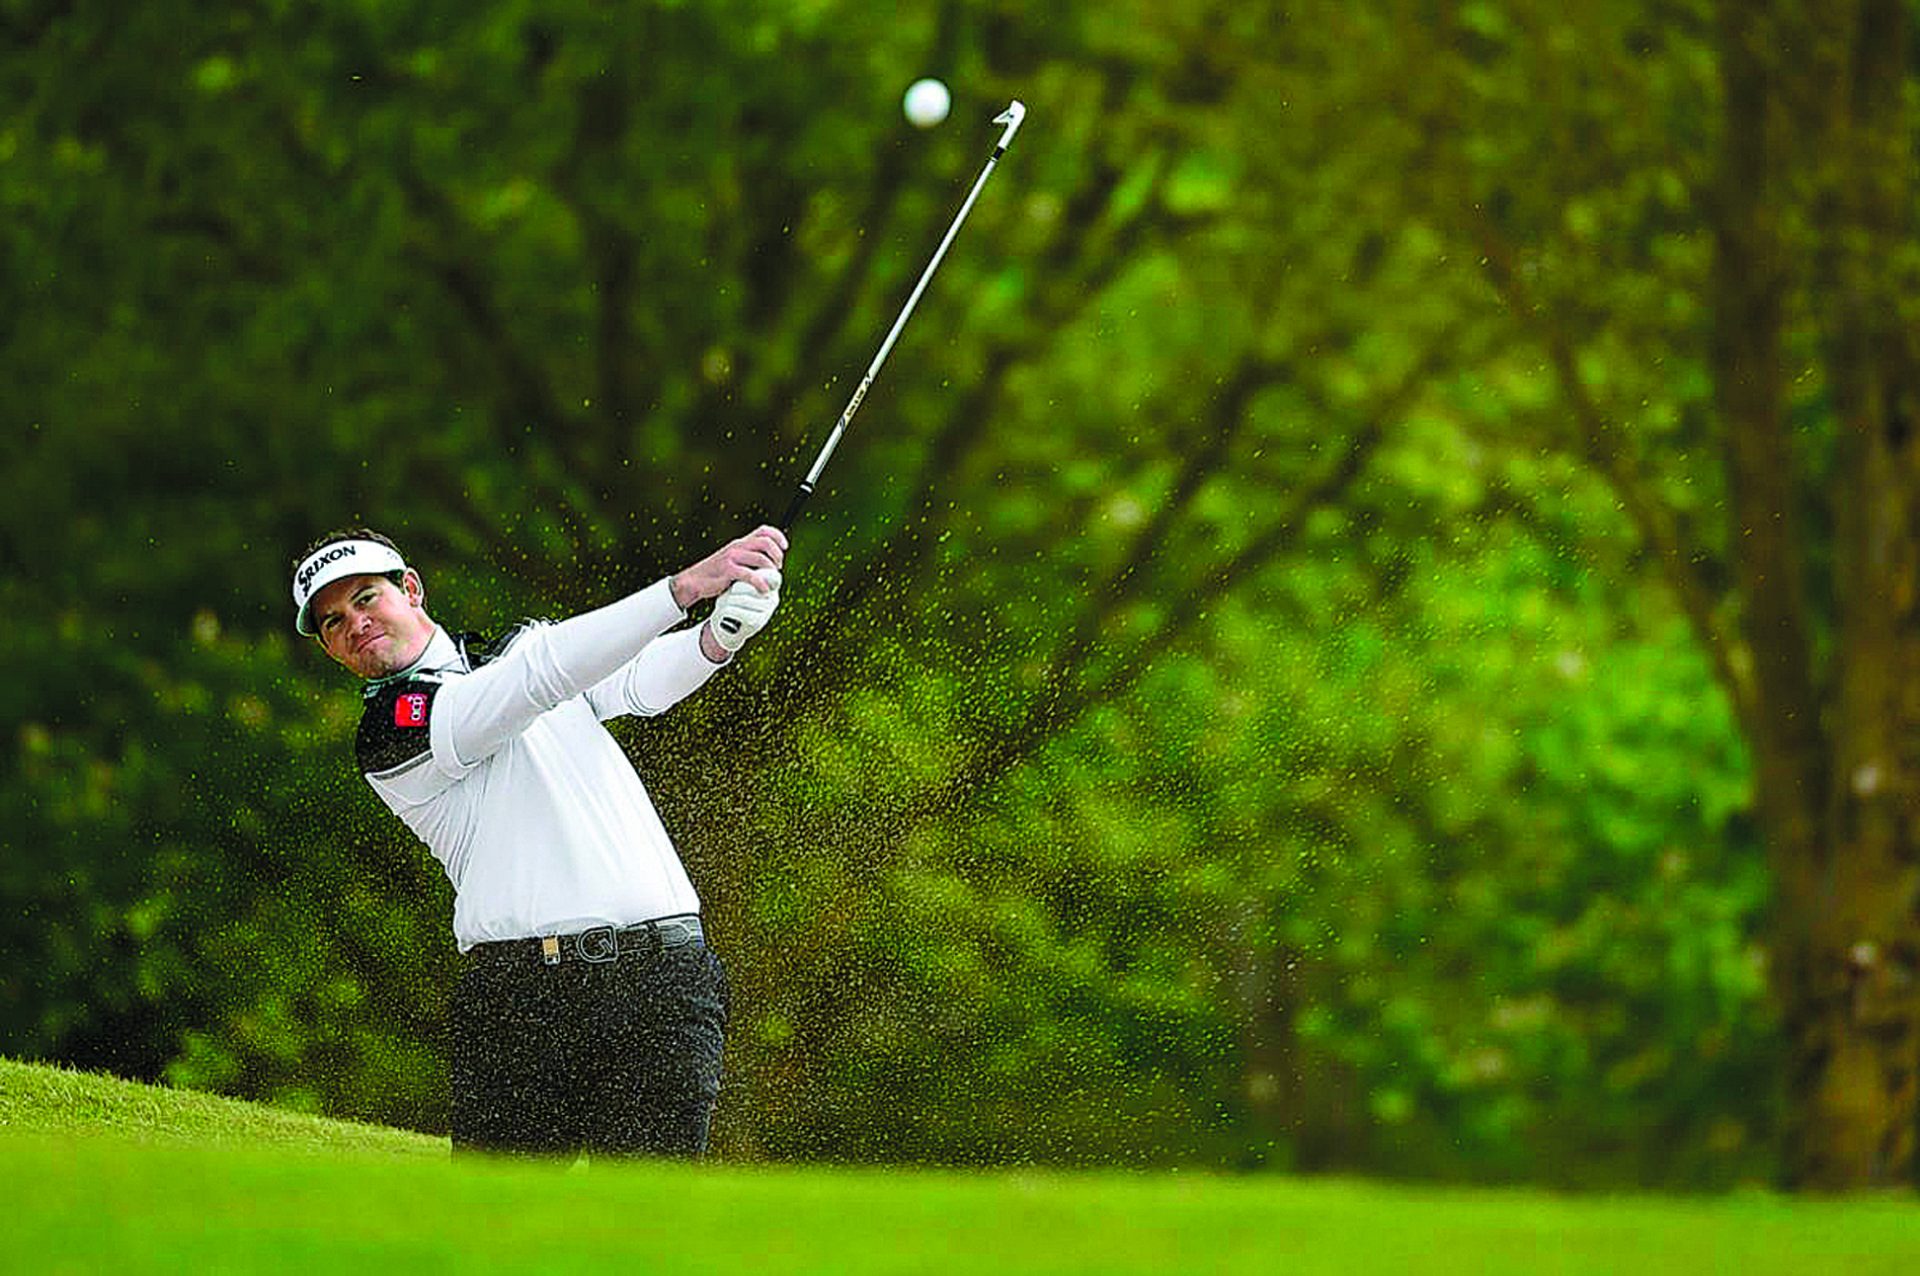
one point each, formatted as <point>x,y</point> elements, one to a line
<point>1011,117</point>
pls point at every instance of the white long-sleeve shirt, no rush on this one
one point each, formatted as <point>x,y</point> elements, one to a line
<point>494,754</point>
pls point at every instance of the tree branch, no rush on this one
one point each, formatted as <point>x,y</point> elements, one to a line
<point>1601,445</point>
<point>1782,708</point>
<point>1064,699</point>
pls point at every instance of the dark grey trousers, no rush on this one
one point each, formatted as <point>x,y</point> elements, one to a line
<point>620,1058</point>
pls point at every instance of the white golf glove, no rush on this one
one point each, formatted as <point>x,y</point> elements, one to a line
<point>743,611</point>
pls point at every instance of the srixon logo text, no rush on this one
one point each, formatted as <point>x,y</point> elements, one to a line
<point>331,556</point>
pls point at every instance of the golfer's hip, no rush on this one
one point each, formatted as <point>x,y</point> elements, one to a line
<point>595,945</point>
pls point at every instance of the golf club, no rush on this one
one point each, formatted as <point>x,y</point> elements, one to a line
<point>1011,117</point>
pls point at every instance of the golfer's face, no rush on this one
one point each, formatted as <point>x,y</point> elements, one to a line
<point>371,625</point>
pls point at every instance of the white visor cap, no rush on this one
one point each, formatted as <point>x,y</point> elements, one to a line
<point>331,562</point>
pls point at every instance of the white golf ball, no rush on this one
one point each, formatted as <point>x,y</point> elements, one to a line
<point>926,103</point>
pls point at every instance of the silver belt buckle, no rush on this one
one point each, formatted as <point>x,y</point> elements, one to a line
<point>601,944</point>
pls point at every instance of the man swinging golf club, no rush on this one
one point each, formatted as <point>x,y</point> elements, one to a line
<point>590,1015</point>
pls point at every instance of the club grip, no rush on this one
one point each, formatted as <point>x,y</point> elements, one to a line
<point>794,507</point>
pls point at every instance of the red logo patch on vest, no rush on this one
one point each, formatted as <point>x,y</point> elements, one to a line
<point>410,710</point>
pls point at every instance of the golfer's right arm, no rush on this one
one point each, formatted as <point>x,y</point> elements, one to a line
<point>544,666</point>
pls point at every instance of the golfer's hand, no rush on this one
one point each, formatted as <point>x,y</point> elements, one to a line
<point>743,611</point>
<point>743,561</point>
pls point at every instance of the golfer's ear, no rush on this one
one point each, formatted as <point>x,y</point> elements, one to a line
<point>414,588</point>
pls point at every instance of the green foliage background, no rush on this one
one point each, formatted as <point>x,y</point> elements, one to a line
<point>1220,715</point>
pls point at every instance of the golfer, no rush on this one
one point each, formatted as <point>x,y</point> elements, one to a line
<point>590,1014</point>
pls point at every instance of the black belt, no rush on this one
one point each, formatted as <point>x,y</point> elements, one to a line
<point>601,944</point>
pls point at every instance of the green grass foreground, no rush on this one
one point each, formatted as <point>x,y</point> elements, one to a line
<point>108,1176</point>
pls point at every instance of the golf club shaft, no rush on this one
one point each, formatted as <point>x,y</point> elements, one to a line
<point>1011,117</point>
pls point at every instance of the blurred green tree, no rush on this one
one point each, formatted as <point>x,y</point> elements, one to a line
<point>1702,217</point>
